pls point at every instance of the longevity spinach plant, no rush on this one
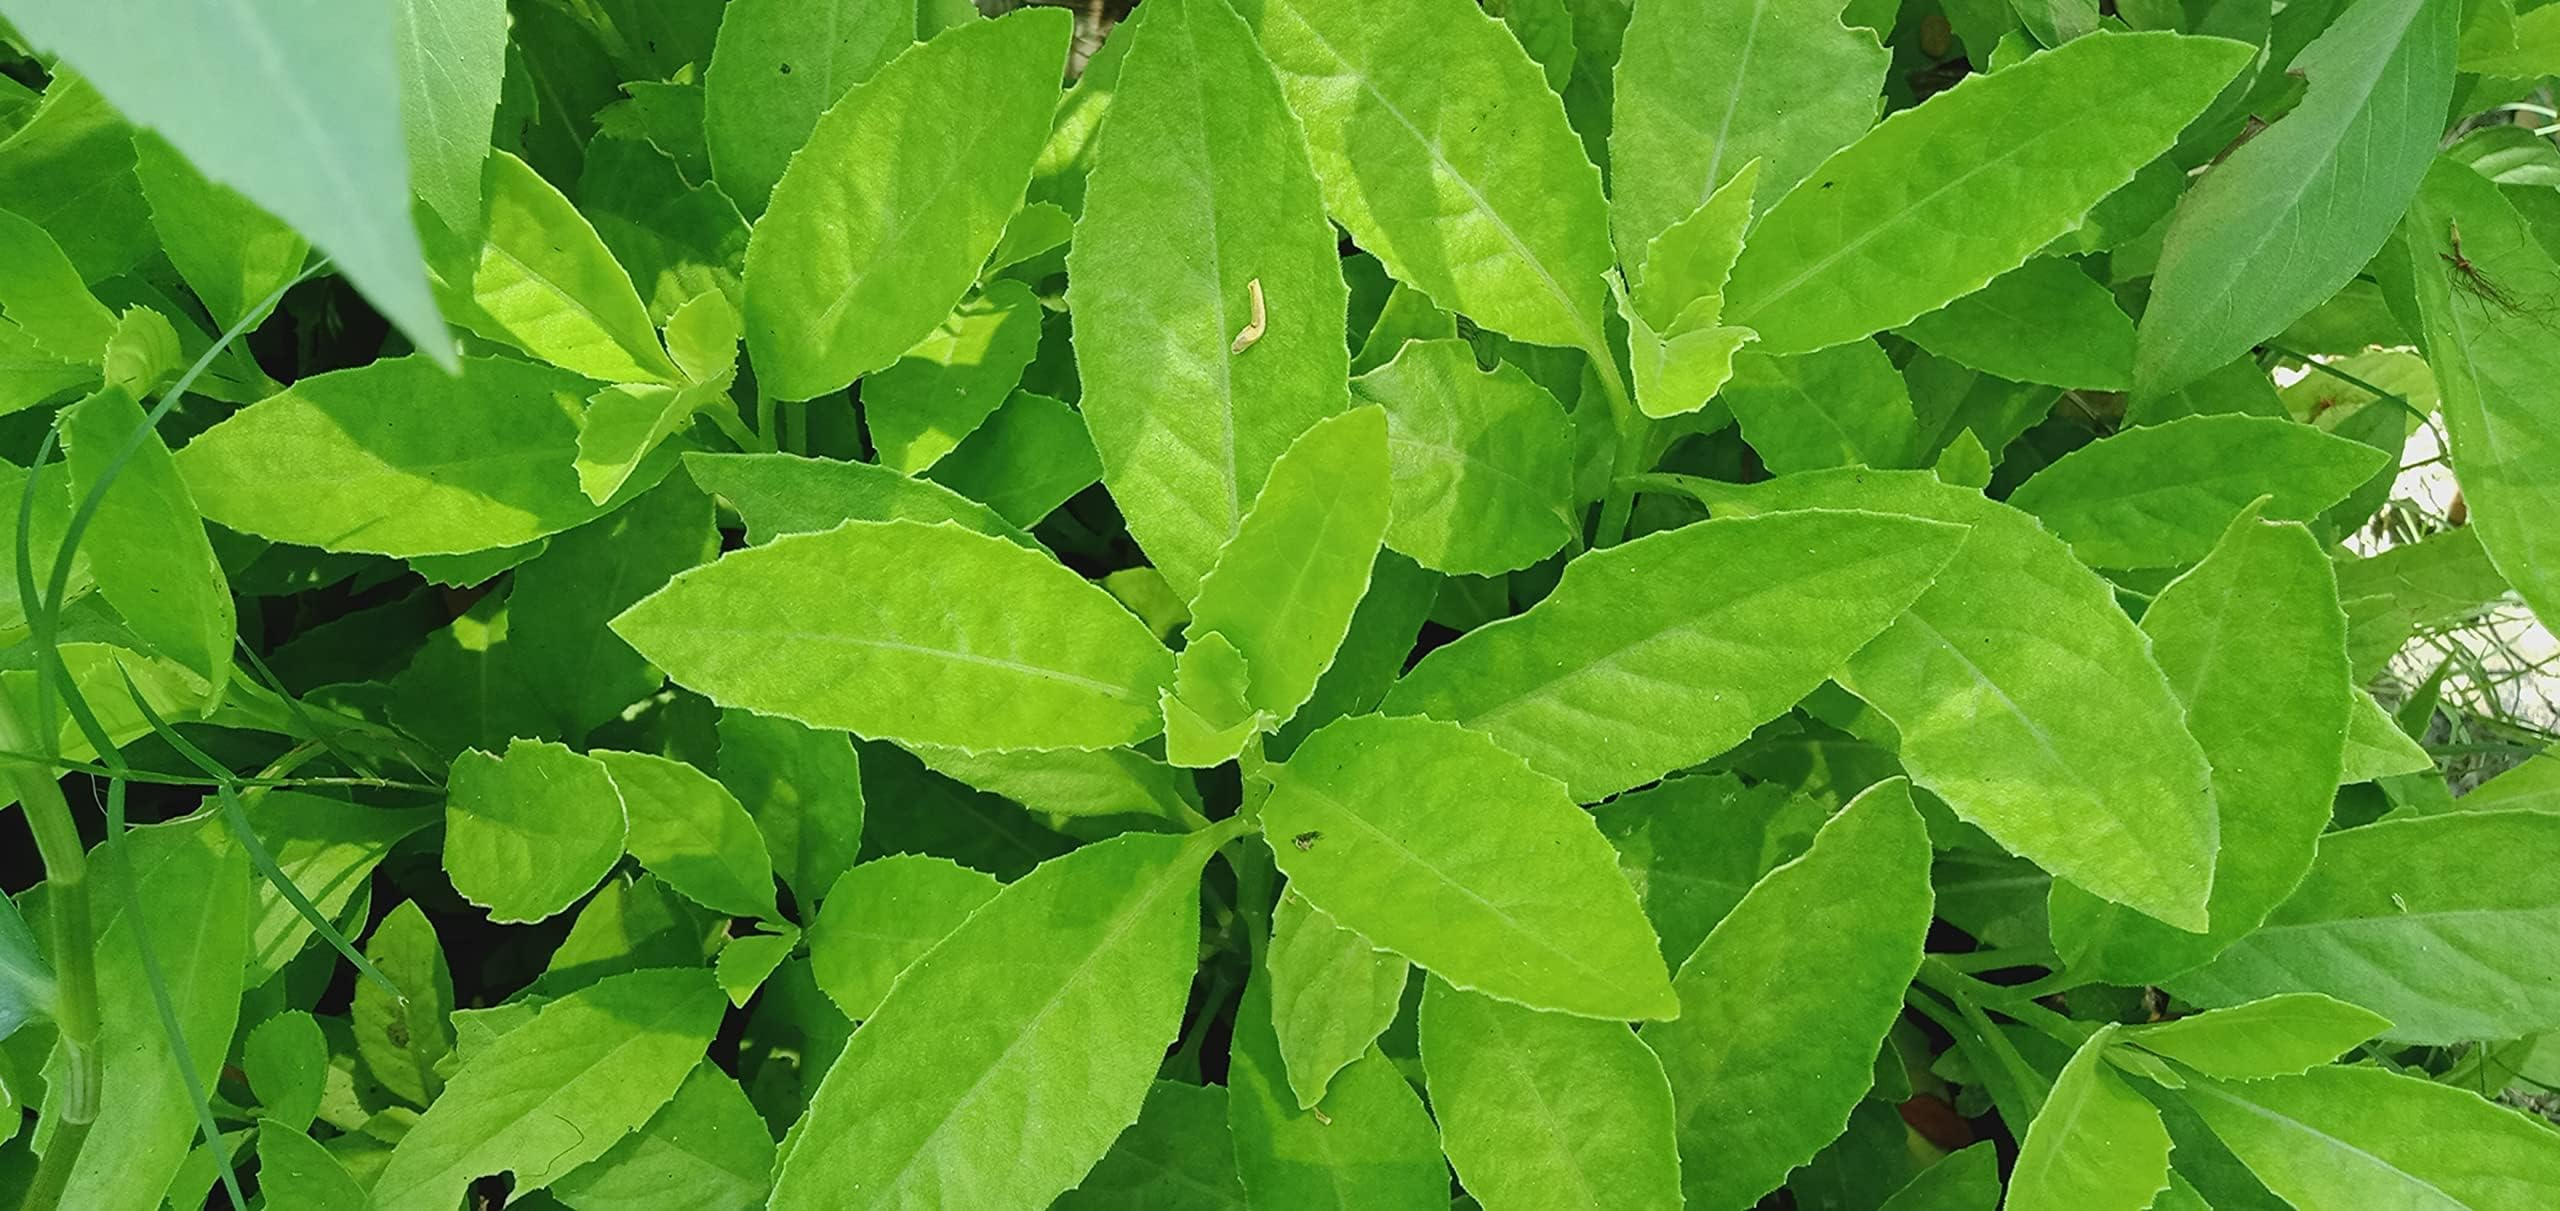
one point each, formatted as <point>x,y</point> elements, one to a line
<point>657,603</point>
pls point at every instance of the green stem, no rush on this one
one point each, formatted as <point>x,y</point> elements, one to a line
<point>1635,433</point>
<point>2310,363</point>
<point>66,873</point>
<point>766,407</point>
<point>53,1171</point>
<point>726,417</point>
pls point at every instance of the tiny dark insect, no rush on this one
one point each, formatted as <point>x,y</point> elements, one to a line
<point>398,1032</point>
<point>786,69</point>
<point>1306,840</point>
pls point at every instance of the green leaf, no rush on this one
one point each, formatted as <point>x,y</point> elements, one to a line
<point>679,238</point>
<point>1382,636</point>
<point>339,461</point>
<point>229,252</point>
<point>2160,495</point>
<point>1178,1156</point>
<point>189,884</point>
<point>286,1059</point>
<point>1678,370</point>
<point>1072,980</point>
<point>1845,406</point>
<point>1371,1145</point>
<point>2254,644</point>
<point>558,1091</point>
<point>779,494</point>
<point>556,633</point>
<point>1332,995</point>
<point>1028,459</point>
<point>26,981</point>
<point>1941,198</point>
<point>769,80</point>
<point>400,1042</point>
<point>1693,845</point>
<point>1481,461</point>
<point>2292,214</point>
<point>1988,679</point>
<point>1284,587</point>
<point>1638,664</point>
<point>1069,782</point>
<point>2363,1137</point>
<point>1968,1180</point>
<point>2489,341</point>
<point>1691,260</point>
<point>453,64</point>
<point>1705,88</point>
<point>146,543</point>
<point>2532,786</point>
<point>746,961</point>
<point>297,109</point>
<point>1491,208</point>
<point>1434,843</point>
<point>2046,321</point>
<point>542,281</point>
<point>900,631</point>
<point>42,295</point>
<point>1207,718</point>
<point>328,848</point>
<point>939,392</point>
<point>1782,1008</point>
<point>528,833</point>
<point>2095,1146</point>
<point>2377,748</point>
<point>690,831</point>
<point>844,272</point>
<point>2281,1035</point>
<point>2381,907</point>
<point>705,1150</point>
<point>884,915</point>
<point>1201,195</point>
<point>1540,1109</point>
<point>804,789</point>
<point>626,421</point>
<point>296,1173</point>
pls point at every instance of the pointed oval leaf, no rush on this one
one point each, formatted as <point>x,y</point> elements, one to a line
<point>2364,1137</point>
<point>528,833</point>
<point>707,1148</point>
<point>879,226</point>
<point>939,392</point>
<point>769,80</point>
<point>1179,1156</point>
<point>777,494</point>
<point>1072,983</point>
<point>1705,87</point>
<point>1483,461</point>
<point>2383,905</point>
<point>884,915</point>
<point>1943,197</point>
<point>542,281</point>
<point>2489,340</point>
<point>1544,1110</point>
<point>900,631</point>
<point>1332,994</point>
<point>2295,212</point>
<point>2161,495</point>
<point>2281,1035</point>
<point>348,461</point>
<point>1660,653</point>
<point>1369,1147</point>
<point>557,1091</point>
<point>1433,842</point>
<point>2254,644</point>
<point>1285,586</point>
<point>1457,168</point>
<point>690,831</point>
<point>1845,406</point>
<point>2046,321</point>
<point>1988,678</point>
<point>1784,1005</point>
<point>146,543</point>
<point>2095,1146</point>
<point>1202,167</point>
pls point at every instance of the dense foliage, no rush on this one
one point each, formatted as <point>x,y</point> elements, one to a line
<point>1276,603</point>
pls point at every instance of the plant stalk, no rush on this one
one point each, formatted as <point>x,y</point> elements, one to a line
<point>75,1010</point>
